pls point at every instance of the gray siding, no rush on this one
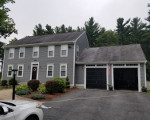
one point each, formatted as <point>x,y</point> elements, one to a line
<point>79,74</point>
<point>142,71</point>
<point>43,61</point>
<point>82,42</point>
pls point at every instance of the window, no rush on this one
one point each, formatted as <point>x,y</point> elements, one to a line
<point>51,51</point>
<point>64,51</point>
<point>11,53</point>
<point>63,70</point>
<point>20,70</point>
<point>22,52</point>
<point>35,53</point>
<point>50,70</point>
<point>10,67</point>
<point>77,51</point>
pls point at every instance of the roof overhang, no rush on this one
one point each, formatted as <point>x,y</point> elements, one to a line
<point>112,62</point>
<point>39,44</point>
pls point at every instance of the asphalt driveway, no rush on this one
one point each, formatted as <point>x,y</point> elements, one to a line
<point>99,105</point>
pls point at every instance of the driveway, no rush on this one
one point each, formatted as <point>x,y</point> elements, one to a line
<point>97,104</point>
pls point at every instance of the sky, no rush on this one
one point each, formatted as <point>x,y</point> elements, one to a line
<point>28,13</point>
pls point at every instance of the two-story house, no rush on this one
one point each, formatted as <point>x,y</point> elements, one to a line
<point>68,54</point>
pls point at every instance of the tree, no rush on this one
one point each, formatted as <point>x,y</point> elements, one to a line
<point>57,29</point>
<point>1,50</point>
<point>38,30</point>
<point>108,38</point>
<point>123,30</point>
<point>63,29</point>
<point>7,25</point>
<point>13,40</point>
<point>92,30</point>
<point>137,30</point>
<point>49,29</point>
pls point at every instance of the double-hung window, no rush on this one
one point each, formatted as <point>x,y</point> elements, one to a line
<point>50,70</point>
<point>64,51</point>
<point>63,70</point>
<point>20,70</point>
<point>35,53</point>
<point>22,52</point>
<point>11,53</point>
<point>51,51</point>
<point>9,73</point>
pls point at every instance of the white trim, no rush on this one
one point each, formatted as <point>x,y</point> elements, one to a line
<point>107,77</point>
<point>23,52</point>
<point>74,64</point>
<point>11,50</point>
<point>11,71</point>
<point>112,75</point>
<point>63,64</point>
<point>79,37</point>
<point>32,63</point>
<point>85,76</point>
<point>35,49</point>
<point>64,47</point>
<point>139,78</point>
<point>3,67</point>
<point>52,71</point>
<point>22,70</point>
<point>51,48</point>
<point>145,75</point>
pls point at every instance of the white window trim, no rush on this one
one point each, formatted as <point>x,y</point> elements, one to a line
<point>64,47</point>
<point>23,52</point>
<point>13,51</point>
<point>22,70</point>
<point>11,72</point>
<point>37,51</point>
<point>51,48</point>
<point>52,71</point>
<point>63,64</point>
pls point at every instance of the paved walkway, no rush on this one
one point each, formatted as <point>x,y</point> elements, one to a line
<point>7,95</point>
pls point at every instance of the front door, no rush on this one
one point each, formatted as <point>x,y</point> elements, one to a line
<point>34,72</point>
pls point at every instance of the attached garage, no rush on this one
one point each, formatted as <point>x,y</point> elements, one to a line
<point>126,78</point>
<point>96,78</point>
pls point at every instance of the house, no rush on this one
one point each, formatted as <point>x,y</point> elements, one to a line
<point>68,54</point>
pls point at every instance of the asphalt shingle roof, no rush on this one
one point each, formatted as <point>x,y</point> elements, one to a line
<point>61,37</point>
<point>112,54</point>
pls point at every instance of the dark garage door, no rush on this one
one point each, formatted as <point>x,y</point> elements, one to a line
<point>96,78</point>
<point>126,78</point>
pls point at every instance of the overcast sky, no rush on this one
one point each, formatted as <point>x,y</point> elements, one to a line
<point>28,13</point>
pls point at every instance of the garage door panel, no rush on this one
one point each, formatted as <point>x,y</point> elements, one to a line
<point>126,78</point>
<point>96,78</point>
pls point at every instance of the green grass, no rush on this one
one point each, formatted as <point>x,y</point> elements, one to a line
<point>148,92</point>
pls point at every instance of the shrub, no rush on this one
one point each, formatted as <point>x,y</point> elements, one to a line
<point>4,82</point>
<point>42,88</point>
<point>33,84</point>
<point>23,92</point>
<point>61,85</point>
<point>10,81</point>
<point>52,86</point>
<point>144,89</point>
<point>38,96</point>
<point>67,82</point>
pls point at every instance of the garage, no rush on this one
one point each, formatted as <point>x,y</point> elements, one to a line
<point>126,78</point>
<point>96,78</point>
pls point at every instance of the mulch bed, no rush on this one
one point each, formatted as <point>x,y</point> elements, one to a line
<point>49,97</point>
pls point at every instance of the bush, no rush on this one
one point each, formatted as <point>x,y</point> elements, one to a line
<point>22,92</point>
<point>144,89</point>
<point>52,86</point>
<point>42,88</point>
<point>4,82</point>
<point>33,84</point>
<point>38,96</point>
<point>10,81</point>
<point>67,82</point>
<point>61,85</point>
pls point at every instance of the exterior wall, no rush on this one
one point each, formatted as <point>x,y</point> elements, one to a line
<point>79,75</point>
<point>83,43</point>
<point>142,71</point>
<point>43,61</point>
